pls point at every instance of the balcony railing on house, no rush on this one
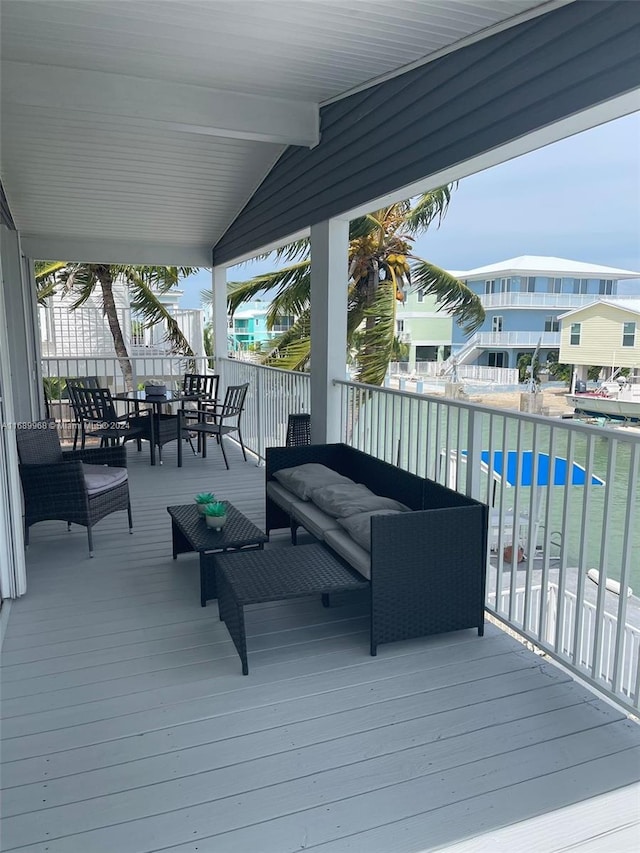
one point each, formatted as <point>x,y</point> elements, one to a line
<point>469,372</point>
<point>565,301</point>
<point>588,517</point>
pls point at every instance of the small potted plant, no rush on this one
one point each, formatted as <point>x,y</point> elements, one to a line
<point>203,499</point>
<point>155,388</point>
<point>215,514</point>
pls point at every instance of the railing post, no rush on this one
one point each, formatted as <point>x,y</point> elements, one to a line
<point>260,427</point>
<point>329,260</point>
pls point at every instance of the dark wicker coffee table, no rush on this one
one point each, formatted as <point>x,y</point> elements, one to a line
<point>252,577</point>
<point>190,533</point>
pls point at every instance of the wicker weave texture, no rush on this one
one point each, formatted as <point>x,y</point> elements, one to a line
<point>428,566</point>
<point>282,573</point>
<point>57,491</point>
<point>237,532</point>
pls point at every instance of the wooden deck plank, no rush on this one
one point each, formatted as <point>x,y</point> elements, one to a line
<point>377,729</point>
<point>129,727</point>
<point>347,665</point>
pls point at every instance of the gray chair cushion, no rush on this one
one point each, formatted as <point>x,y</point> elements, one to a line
<point>281,496</point>
<point>313,519</point>
<point>358,526</point>
<point>344,499</point>
<point>302,479</point>
<point>344,545</point>
<point>101,478</point>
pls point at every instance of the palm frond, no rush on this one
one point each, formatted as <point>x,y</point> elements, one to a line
<point>161,279</point>
<point>292,276</point>
<point>293,252</point>
<point>377,337</point>
<point>80,280</point>
<point>454,296</point>
<point>430,206</point>
<point>296,356</point>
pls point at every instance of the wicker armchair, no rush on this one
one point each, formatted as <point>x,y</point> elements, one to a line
<point>77,486</point>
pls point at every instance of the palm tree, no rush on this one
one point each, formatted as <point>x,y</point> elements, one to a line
<point>82,281</point>
<point>381,270</point>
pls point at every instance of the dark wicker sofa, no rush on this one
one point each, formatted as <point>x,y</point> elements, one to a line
<point>427,566</point>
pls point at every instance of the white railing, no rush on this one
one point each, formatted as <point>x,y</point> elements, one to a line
<point>273,395</point>
<point>564,528</point>
<point>516,339</point>
<point>585,639</point>
<point>466,372</point>
<point>108,371</point>
<point>561,301</point>
<point>85,333</point>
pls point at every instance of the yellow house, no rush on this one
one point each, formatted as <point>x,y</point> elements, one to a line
<point>602,333</point>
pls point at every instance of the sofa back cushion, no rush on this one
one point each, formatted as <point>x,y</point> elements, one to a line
<point>358,526</point>
<point>344,499</point>
<point>303,479</point>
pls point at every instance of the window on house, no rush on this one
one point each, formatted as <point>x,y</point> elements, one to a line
<point>490,286</point>
<point>551,324</point>
<point>629,334</point>
<point>531,284</point>
<point>606,287</point>
<point>421,296</point>
<point>495,359</point>
<point>554,285</point>
<point>400,324</point>
<point>575,335</point>
<point>496,323</point>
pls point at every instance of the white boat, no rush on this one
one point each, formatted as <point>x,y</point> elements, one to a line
<point>610,585</point>
<point>612,400</point>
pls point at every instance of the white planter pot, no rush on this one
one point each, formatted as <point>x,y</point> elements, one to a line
<point>215,521</point>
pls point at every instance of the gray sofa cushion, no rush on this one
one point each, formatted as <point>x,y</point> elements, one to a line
<point>313,519</point>
<point>281,496</point>
<point>302,479</point>
<point>101,478</point>
<point>344,545</point>
<point>344,499</point>
<point>358,526</point>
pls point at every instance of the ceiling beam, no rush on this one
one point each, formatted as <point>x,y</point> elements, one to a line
<point>97,251</point>
<point>173,106</point>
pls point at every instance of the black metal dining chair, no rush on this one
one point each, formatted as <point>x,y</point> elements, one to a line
<point>220,421</point>
<point>205,387</point>
<point>71,384</point>
<point>98,418</point>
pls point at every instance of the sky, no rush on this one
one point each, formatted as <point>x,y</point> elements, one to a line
<point>578,198</point>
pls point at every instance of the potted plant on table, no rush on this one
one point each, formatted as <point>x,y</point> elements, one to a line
<point>215,514</point>
<point>203,499</point>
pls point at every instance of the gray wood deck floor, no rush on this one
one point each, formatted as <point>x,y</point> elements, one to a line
<point>128,726</point>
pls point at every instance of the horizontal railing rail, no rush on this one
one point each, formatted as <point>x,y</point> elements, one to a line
<point>560,518</point>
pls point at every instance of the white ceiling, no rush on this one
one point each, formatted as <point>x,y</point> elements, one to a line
<point>149,123</point>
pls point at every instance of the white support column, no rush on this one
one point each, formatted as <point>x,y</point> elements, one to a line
<point>219,285</point>
<point>329,268</point>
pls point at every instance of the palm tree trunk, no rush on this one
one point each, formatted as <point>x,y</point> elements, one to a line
<point>111,313</point>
